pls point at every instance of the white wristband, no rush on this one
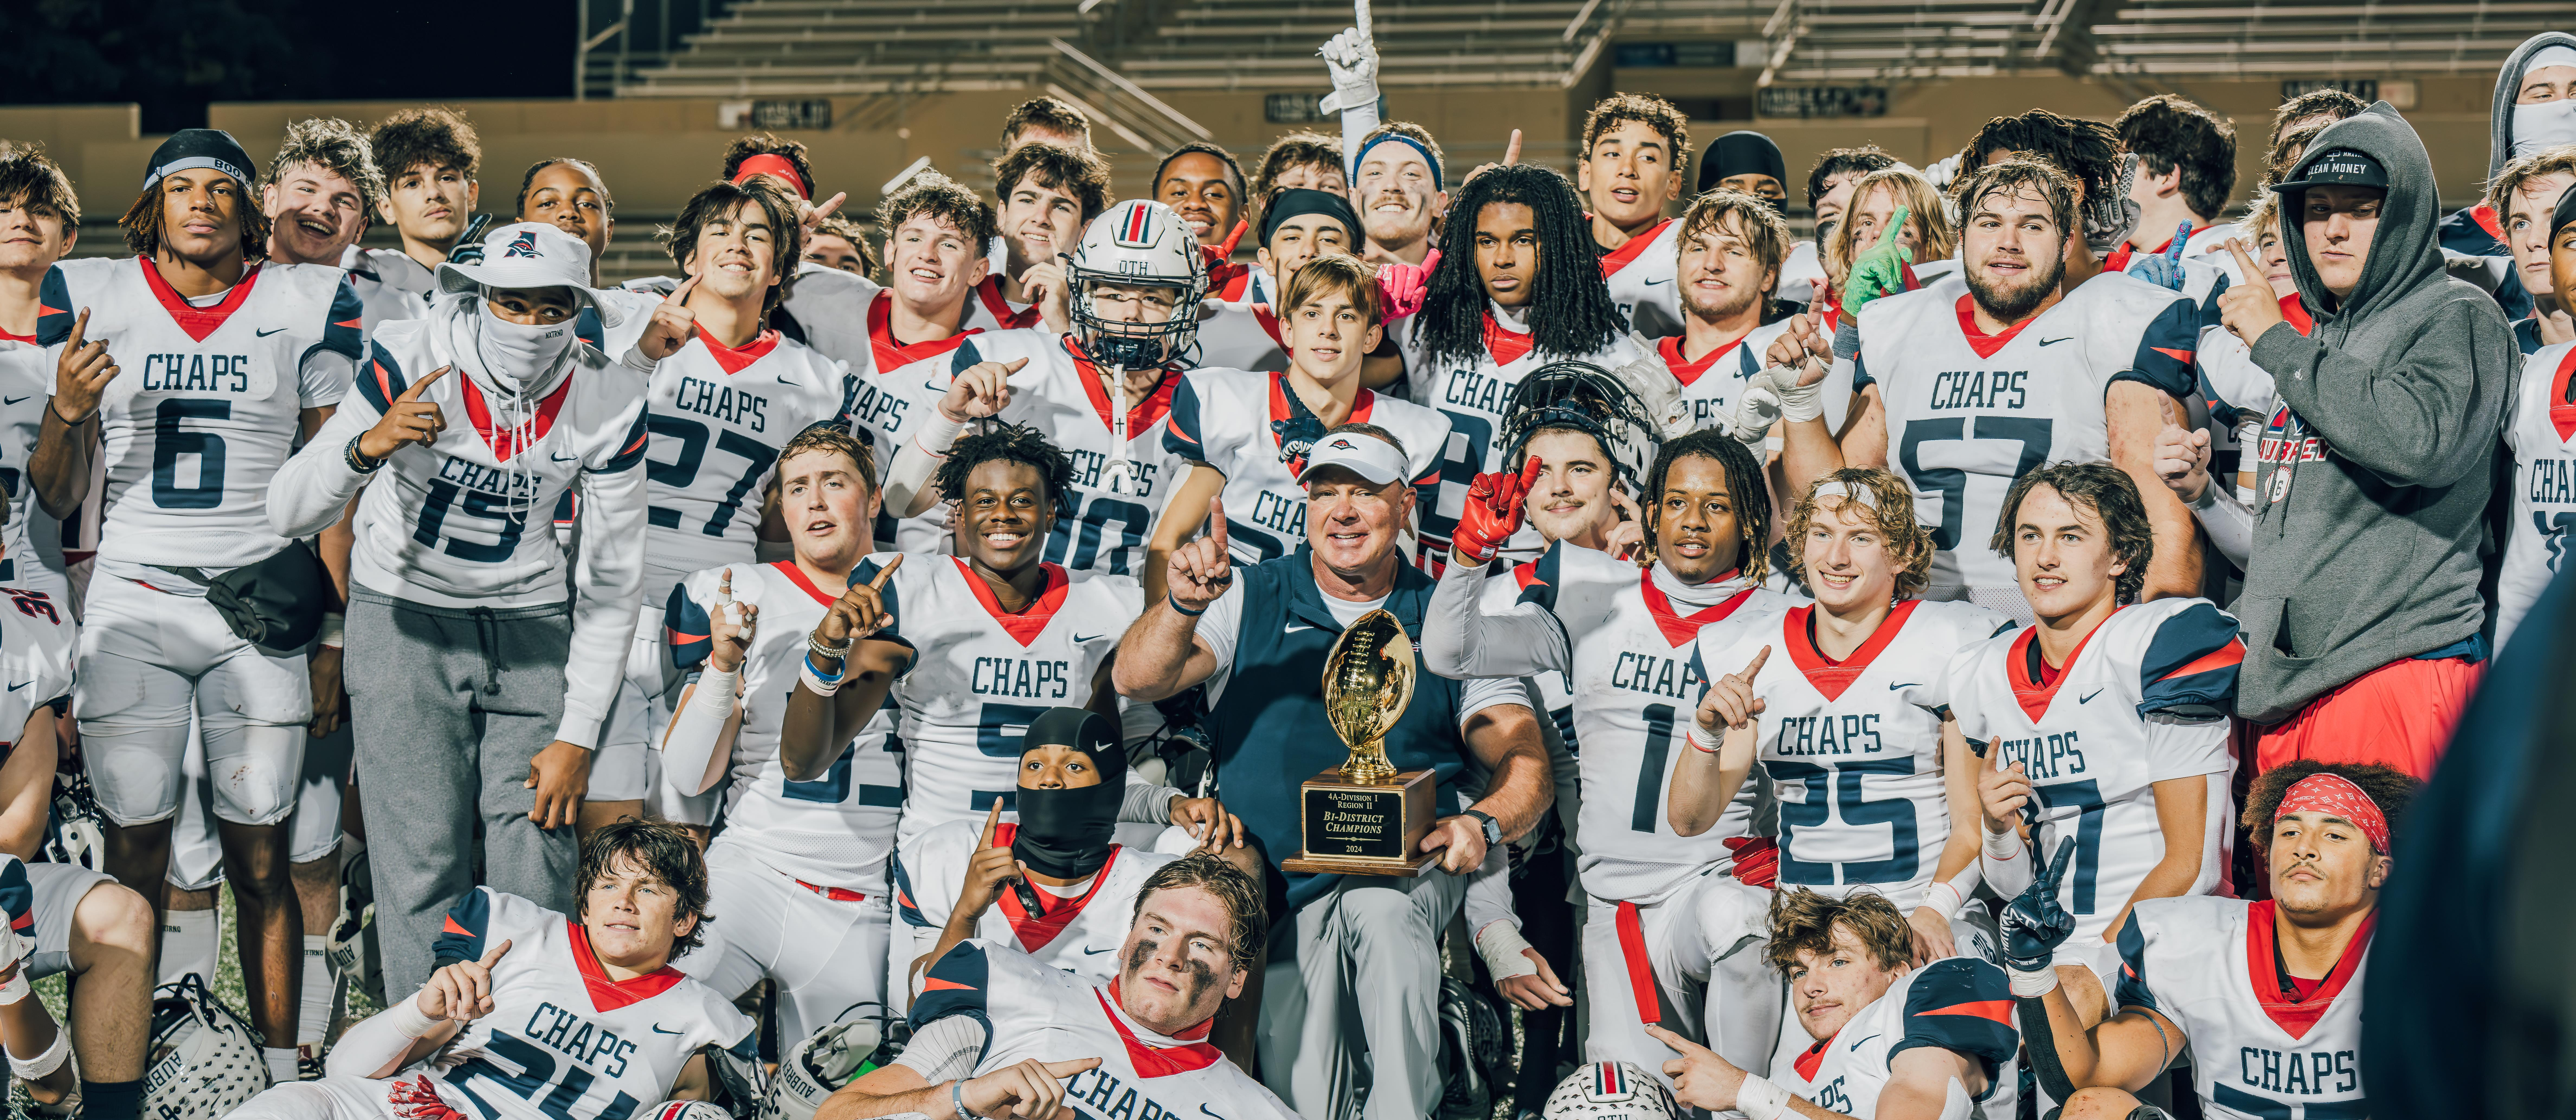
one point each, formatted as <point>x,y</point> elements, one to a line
<point>1943,899</point>
<point>1798,403</point>
<point>2002,847</point>
<point>335,631</point>
<point>814,681</point>
<point>1500,943</point>
<point>409,1020</point>
<point>1700,741</point>
<point>36,1068</point>
<point>938,433</point>
<point>1759,1099</point>
<point>715,692</point>
<point>2032,985</point>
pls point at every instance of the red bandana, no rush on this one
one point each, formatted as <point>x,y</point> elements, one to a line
<point>2335,795</point>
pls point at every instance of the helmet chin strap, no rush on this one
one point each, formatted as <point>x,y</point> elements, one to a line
<point>1118,468</point>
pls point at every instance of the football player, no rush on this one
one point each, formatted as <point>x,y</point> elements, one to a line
<point>1930,1041</point>
<point>533,1009</point>
<point>2544,496</point>
<point>2524,194</point>
<point>429,157</point>
<point>484,656</point>
<point>237,359</point>
<point>1203,184</point>
<point>1893,202</point>
<point>67,918</point>
<point>1242,331</point>
<point>1496,310</point>
<point>837,243</point>
<point>1985,375</point>
<point>2105,722</point>
<point>1856,716</point>
<point>1048,194</point>
<point>720,411</point>
<point>1246,436</point>
<point>569,195</point>
<point>1101,393</point>
<point>1636,156</point>
<point>2270,990</point>
<point>39,222</point>
<point>2207,468</point>
<point>2185,172</point>
<point>800,868</point>
<point>1807,277</point>
<point>1669,923</point>
<point>1394,166</point>
<point>1727,249</point>
<point>1303,158</point>
<point>999,1034</point>
<point>322,192</point>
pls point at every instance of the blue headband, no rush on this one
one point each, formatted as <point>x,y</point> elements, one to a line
<point>1405,140</point>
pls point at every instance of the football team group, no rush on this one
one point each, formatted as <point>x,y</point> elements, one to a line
<point>871,672</point>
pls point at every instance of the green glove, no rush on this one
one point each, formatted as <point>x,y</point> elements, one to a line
<point>1880,269</point>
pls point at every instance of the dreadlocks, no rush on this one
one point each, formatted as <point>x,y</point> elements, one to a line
<point>1570,310</point>
<point>1744,483</point>
<point>1012,443</point>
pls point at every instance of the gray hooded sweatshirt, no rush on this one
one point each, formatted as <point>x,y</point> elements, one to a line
<point>2509,83</point>
<point>2394,405</point>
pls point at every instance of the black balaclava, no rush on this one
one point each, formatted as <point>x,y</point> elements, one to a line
<point>1744,153</point>
<point>1065,833</point>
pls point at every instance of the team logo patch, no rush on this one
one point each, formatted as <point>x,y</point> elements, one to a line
<point>1137,230</point>
<point>524,245</point>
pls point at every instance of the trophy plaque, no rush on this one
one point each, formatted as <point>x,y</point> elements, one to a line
<point>1363,818</point>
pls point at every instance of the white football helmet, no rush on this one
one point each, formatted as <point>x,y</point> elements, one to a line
<point>75,837</point>
<point>204,1060</point>
<point>1632,410</point>
<point>810,1071</point>
<point>684,1110</point>
<point>1611,1091</point>
<point>1137,242</point>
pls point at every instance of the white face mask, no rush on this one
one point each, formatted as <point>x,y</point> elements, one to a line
<point>516,354</point>
<point>2546,125</point>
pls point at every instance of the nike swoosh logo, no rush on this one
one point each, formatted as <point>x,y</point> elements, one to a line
<point>1078,639</point>
<point>20,685</point>
<point>1855,1047</point>
<point>2088,697</point>
<point>11,400</point>
<point>1665,280</point>
<point>268,332</point>
<point>2055,341</point>
<point>1090,952</point>
<point>563,458</point>
<point>660,1029</point>
<point>1211,1112</point>
<point>1293,628</point>
<point>1908,684</point>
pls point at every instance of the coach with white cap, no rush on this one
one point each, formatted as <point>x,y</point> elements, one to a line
<point>481,657</point>
<point>1341,947</point>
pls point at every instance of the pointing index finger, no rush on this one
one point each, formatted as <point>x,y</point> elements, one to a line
<point>2244,260</point>
<point>1062,1070</point>
<point>421,386</point>
<point>2057,868</point>
<point>886,573</point>
<point>681,294</point>
<point>1512,151</point>
<point>2182,233</point>
<point>1216,522</point>
<point>992,820</point>
<point>494,957</point>
<point>80,330</point>
<point>1755,666</point>
<point>1895,226</point>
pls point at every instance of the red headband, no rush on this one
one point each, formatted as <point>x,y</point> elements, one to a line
<point>2334,795</point>
<point>770,164</point>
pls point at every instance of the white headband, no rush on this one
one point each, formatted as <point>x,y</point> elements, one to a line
<point>1837,488</point>
<point>2558,54</point>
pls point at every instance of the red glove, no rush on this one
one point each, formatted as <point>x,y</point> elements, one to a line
<point>1757,861</point>
<point>1493,514</point>
<point>1406,286</point>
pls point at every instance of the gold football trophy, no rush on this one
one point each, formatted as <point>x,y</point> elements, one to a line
<point>1363,818</point>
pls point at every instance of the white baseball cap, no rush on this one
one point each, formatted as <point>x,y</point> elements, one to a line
<point>1357,452</point>
<point>529,255</point>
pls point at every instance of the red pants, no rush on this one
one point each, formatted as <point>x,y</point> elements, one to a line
<point>2399,714</point>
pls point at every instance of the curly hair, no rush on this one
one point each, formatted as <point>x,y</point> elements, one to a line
<point>1756,223</point>
<point>142,222</point>
<point>942,199</point>
<point>2107,492</point>
<point>1048,113</point>
<point>2286,151</point>
<point>1247,914</point>
<point>432,137</point>
<point>1907,542</point>
<point>528,182</point>
<point>1302,148</point>
<point>2390,788</point>
<point>29,179</point>
<point>830,437</point>
<point>1570,310</point>
<point>1844,161</point>
<point>764,144</point>
<point>333,145</point>
<point>2167,132</point>
<point>717,201</point>
<point>1646,109</point>
<point>2332,104</point>
<point>1745,486</point>
<point>2087,150</point>
<point>1804,921</point>
<point>1008,442</point>
<point>2007,178</point>
<point>1077,172</point>
<point>1922,202</point>
<point>662,850</point>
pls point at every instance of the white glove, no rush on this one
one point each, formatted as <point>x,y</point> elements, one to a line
<point>1760,408</point>
<point>1352,59</point>
<point>1797,402</point>
<point>1942,172</point>
<point>1500,943</point>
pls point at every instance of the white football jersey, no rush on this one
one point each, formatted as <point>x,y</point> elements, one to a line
<point>2209,965</point>
<point>1853,749</point>
<point>208,402</point>
<point>391,286</point>
<point>563,1040</point>
<point>1641,275</point>
<point>1472,396</point>
<point>1635,669</point>
<point>1241,423</point>
<point>1969,413</point>
<point>827,309</point>
<point>989,310</point>
<point>1714,384</point>
<point>1960,1004</point>
<point>1117,485</point>
<point>1032,1011</point>
<point>978,676</point>
<point>26,387</point>
<point>1244,332</point>
<point>2544,483</point>
<point>719,418</point>
<point>838,829</point>
<point>1079,933</point>
<point>37,642</point>
<point>2143,699</point>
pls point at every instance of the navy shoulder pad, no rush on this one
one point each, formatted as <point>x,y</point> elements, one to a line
<point>1181,436</point>
<point>54,310</point>
<point>345,332</point>
<point>2166,350</point>
<point>1540,578</point>
<point>630,453</point>
<point>461,937</point>
<point>955,985</point>
<point>2132,990</point>
<point>2190,666</point>
<point>380,379</point>
<point>686,627</point>
<point>1963,1005</point>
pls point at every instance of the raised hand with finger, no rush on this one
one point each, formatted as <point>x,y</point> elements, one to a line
<point>2181,454</point>
<point>1880,269</point>
<point>673,324</point>
<point>1496,504</point>
<point>2035,924</point>
<point>986,871</point>
<point>983,390</point>
<point>410,421</point>
<point>859,613</point>
<point>1202,569</point>
<point>1730,704</point>
<point>1701,1079</point>
<point>2248,309</point>
<point>462,992</point>
<point>2164,269</point>
<point>81,374</point>
<point>2003,792</point>
<point>731,626</point>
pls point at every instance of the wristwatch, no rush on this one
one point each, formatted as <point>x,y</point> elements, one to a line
<point>1493,829</point>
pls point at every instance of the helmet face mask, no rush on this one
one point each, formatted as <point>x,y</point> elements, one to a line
<point>1136,244</point>
<point>1608,405</point>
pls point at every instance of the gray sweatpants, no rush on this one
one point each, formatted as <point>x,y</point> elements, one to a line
<point>1350,1004</point>
<point>450,706</point>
